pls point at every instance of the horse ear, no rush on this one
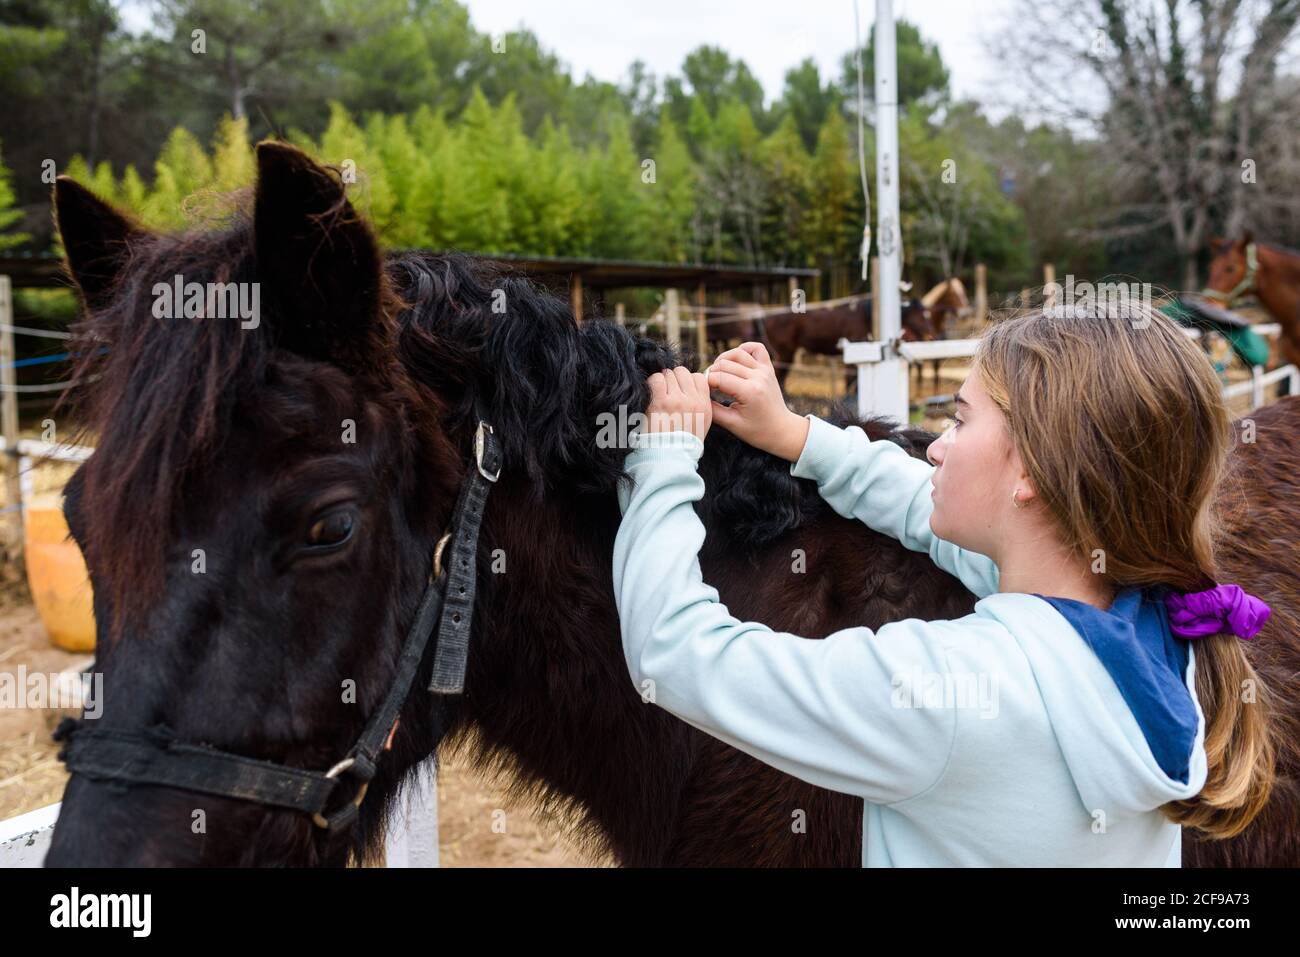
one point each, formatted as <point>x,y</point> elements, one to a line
<point>96,237</point>
<point>316,257</point>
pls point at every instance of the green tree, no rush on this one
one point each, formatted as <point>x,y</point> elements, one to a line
<point>8,215</point>
<point>671,197</point>
<point>834,218</point>
<point>233,162</point>
<point>710,77</point>
<point>788,169</point>
<point>807,101</point>
<point>922,75</point>
<point>182,170</point>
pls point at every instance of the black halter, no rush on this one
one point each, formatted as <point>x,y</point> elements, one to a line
<point>155,756</point>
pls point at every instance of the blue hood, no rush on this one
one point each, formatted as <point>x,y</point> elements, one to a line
<point>1149,665</point>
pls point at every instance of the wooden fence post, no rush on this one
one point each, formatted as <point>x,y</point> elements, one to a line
<point>13,525</point>
<point>575,292</point>
<point>701,329</point>
<point>981,294</point>
<point>673,331</point>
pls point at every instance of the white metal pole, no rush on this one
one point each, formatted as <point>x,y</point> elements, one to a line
<point>882,390</point>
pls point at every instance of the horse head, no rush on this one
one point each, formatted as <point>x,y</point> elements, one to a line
<point>259,516</point>
<point>1233,268</point>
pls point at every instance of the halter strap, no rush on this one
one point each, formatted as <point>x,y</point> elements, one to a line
<point>452,652</point>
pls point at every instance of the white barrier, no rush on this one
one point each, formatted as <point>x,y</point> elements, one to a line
<point>25,839</point>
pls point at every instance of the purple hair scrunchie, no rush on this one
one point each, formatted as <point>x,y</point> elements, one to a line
<point>1221,608</point>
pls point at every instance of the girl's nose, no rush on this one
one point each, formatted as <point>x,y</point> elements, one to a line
<point>931,452</point>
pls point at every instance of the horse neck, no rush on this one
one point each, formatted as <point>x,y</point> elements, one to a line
<point>549,699</point>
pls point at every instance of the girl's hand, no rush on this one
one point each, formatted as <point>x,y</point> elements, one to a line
<point>759,414</point>
<point>679,402</point>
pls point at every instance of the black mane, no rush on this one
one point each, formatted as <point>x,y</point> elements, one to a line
<point>546,379</point>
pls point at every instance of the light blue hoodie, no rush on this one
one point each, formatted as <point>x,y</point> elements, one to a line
<point>1024,734</point>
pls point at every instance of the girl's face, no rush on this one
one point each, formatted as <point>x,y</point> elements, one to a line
<point>977,467</point>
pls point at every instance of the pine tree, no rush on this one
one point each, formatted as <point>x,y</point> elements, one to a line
<point>233,162</point>
<point>786,212</point>
<point>181,171</point>
<point>8,214</point>
<point>834,222</point>
<point>670,199</point>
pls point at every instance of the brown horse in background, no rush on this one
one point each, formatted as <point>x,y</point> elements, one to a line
<point>946,301</point>
<point>819,330</point>
<point>318,549</point>
<point>1274,279</point>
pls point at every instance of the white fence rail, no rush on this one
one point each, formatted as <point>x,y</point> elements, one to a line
<point>888,394</point>
<point>25,839</point>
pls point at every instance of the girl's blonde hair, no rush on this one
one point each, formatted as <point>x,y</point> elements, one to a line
<point>1120,422</point>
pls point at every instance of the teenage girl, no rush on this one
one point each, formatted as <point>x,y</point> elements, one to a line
<point>1066,720</point>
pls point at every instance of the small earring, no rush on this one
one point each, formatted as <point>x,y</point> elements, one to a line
<point>1015,501</point>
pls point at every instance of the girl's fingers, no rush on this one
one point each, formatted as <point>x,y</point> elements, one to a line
<point>658,384</point>
<point>683,375</point>
<point>740,357</point>
<point>731,384</point>
<point>756,351</point>
<point>700,385</point>
<point>735,368</point>
<point>725,416</point>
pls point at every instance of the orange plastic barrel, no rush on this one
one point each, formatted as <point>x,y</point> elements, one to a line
<point>57,577</point>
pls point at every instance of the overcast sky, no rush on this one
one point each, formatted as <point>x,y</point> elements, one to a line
<point>771,36</point>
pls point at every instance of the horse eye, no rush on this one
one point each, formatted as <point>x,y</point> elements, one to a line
<point>333,528</point>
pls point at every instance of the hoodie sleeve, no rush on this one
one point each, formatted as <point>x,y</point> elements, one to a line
<point>888,490</point>
<point>839,712</point>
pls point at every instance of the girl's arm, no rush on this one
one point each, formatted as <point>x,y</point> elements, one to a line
<point>888,490</point>
<point>841,712</point>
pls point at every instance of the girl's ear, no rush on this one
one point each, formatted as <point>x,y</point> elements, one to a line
<point>97,239</point>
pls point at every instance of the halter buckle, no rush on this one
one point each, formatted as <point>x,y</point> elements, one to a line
<point>480,449</point>
<point>437,555</point>
<point>349,810</point>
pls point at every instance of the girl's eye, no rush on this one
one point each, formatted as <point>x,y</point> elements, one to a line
<point>956,423</point>
<point>332,528</point>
